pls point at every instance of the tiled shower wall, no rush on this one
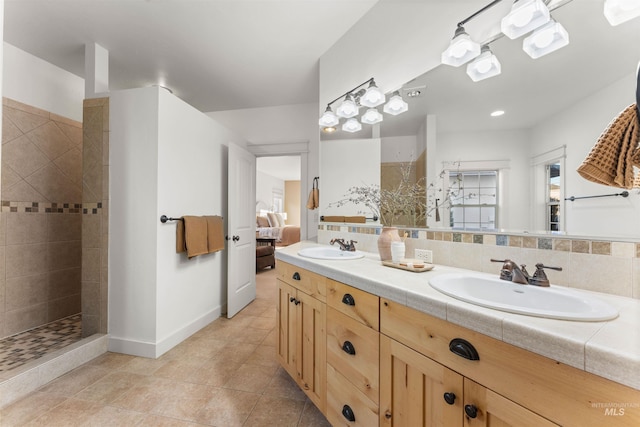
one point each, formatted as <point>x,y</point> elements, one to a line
<point>607,266</point>
<point>95,219</point>
<point>40,223</point>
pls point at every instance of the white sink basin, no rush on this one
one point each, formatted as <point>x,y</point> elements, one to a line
<point>326,252</point>
<point>553,302</point>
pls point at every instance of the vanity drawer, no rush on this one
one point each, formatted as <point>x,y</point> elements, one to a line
<point>353,349</point>
<point>359,305</point>
<point>310,283</point>
<point>345,402</point>
<point>558,392</point>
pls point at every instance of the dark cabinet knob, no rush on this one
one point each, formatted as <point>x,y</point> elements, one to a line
<point>347,412</point>
<point>348,348</point>
<point>450,398</point>
<point>296,276</point>
<point>463,348</point>
<point>292,299</point>
<point>387,415</point>
<point>297,302</point>
<point>471,411</point>
<point>348,299</point>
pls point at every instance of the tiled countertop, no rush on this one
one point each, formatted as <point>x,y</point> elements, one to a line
<point>609,349</point>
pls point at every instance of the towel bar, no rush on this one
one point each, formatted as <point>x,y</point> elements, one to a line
<point>164,219</point>
<point>374,218</point>
<point>623,194</point>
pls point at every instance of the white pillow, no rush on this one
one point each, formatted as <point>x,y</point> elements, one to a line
<point>280,219</point>
<point>273,220</point>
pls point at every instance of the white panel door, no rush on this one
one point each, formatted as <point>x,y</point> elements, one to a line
<point>241,282</point>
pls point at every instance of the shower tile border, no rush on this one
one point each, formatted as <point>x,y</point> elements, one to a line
<point>51,207</point>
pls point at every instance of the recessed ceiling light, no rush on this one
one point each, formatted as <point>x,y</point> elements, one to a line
<point>329,129</point>
<point>497,113</point>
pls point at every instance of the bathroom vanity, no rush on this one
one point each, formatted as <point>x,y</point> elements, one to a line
<point>377,346</point>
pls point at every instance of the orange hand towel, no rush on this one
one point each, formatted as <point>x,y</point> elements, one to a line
<point>181,245</point>
<point>215,233</point>
<point>195,233</point>
<point>355,219</point>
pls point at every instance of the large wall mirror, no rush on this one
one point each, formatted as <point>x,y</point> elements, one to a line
<point>513,172</point>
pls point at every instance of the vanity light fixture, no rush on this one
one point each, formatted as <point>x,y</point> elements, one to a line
<point>461,50</point>
<point>328,119</point>
<point>395,105</point>
<point>484,66</point>
<point>546,39</point>
<point>373,96</point>
<point>372,116</point>
<point>525,16</point>
<point>619,11</point>
<point>348,108</point>
<point>351,125</point>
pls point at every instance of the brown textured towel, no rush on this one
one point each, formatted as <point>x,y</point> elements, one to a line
<point>195,235</point>
<point>333,218</point>
<point>215,233</point>
<point>355,219</point>
<point>314,196</point>
<point>611,160</point>
<point>181,245</point>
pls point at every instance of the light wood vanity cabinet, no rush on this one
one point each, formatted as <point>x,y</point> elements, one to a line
<point>398,369</point>
<point>302,339</point>
<point>352,356</point>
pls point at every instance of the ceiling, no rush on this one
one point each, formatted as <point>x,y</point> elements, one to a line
<point>214,54</point>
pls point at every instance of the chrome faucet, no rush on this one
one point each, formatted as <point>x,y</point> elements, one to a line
<point>350,247</point>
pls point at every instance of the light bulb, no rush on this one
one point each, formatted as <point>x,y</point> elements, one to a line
<point>483,65</point>
<point>521,18</point>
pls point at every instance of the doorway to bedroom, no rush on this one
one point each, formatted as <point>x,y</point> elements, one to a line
<point>278,199</point>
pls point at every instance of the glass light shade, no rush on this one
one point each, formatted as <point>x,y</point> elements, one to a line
<point>619,11</point>
<point>525,16</point>
<point>348,108</point>
<point>373,96</point>
<point>484,66</point>
<point>461,49</point>
<point>395,105</point>
<point>372,116</point>
<point>550,37</point>
<point>328,119</point>
<point>351,125</point>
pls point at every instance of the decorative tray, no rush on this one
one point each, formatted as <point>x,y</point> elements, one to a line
<point>408,265</point>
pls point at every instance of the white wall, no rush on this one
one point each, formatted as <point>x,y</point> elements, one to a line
<point>166,158</point>
<point>399,149</point>
<point>265,186</point>
<point>343,167</point>
<point>579,127</point>
<point>33,81</point>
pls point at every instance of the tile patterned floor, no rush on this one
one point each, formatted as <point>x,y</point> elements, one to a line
<point>19,349</point>
<point>224,375</point>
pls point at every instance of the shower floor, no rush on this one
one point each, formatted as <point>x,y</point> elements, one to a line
<point>24,347</point>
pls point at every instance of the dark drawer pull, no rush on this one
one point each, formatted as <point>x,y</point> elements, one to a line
<point>348,299</point>
<point>348,348</point>
<point>471,411</point>
<point>296,276</point>
<point>292,299</point>
<point>347,412</point>
<point>450,398</point>
<point>464,349</point>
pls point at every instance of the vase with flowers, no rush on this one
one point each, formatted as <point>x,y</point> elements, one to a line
<point>403,204</point>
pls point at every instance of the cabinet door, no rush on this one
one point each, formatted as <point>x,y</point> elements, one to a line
<point>312,348</point>
<point>485,408</point>
<point>287,328</point>
<point>413,388</point>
